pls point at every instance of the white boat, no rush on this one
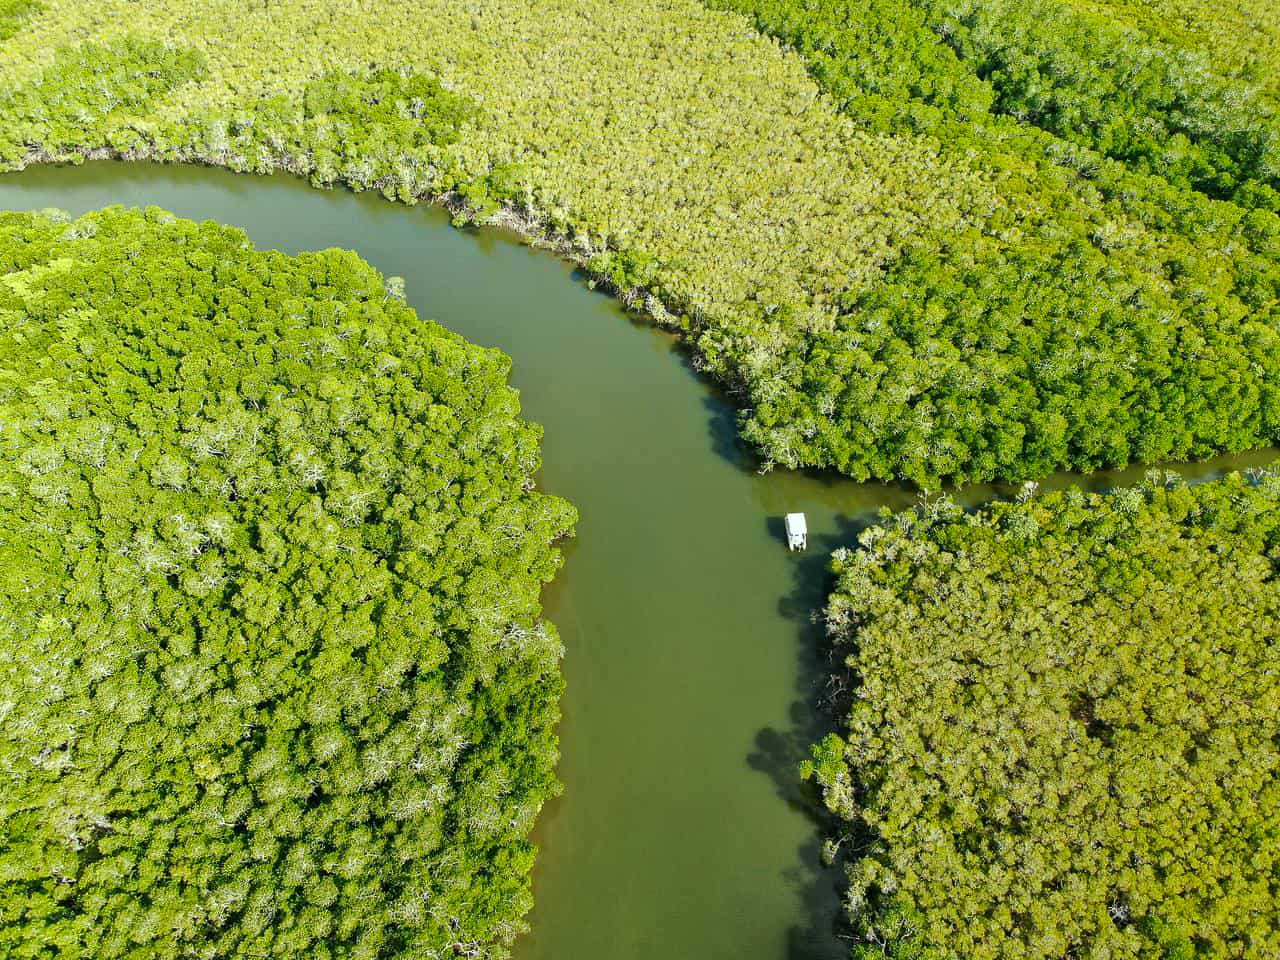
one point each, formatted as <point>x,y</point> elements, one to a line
<point>797,532</point>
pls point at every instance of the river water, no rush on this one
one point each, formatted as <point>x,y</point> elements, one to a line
<point>693,670</point>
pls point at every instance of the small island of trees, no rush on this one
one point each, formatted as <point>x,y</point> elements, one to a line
<point>273,680</point>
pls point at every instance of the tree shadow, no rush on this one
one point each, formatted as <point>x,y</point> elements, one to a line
<point>722,428</point>
<point>813,714</point>
<point>717,403</point>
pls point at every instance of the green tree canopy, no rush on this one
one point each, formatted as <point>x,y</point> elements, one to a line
<point>12,15</point>
<point>274,680</point>
<point>1064,737</point>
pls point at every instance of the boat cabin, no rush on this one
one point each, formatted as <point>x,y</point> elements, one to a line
<point>797,532</point>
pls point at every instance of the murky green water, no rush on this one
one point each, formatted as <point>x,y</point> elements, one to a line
<point>693,669</point>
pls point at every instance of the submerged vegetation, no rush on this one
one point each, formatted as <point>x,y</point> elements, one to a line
<point>274,680</point>
<point>994,240</point>
<point>1063,737</point>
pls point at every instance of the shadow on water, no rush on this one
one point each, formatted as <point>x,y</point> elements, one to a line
<point>779,752</point>
<point>722,430</point>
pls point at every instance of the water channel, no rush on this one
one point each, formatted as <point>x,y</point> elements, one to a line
<point>692,666</point>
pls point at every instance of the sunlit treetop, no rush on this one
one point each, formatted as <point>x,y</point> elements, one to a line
<point>274,679</point>
<point>1062,735</point>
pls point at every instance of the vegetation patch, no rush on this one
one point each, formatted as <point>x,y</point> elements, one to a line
<point>387,130</point>
<point>275,681</point>
<point>13,13</point>
<point>1063,734</point>
<point>1122,318</point>
<point>92,97</point>
<point>1239,36</point>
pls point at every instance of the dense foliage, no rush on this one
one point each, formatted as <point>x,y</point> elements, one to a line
<point>12,15</point>
<point>1239,36</point>
<point>994,239</point>
<point>91,90</point>
<point>272,676</point>
<point>1079,75</point>
<point>1129,315</point>
<point>1064,735</point>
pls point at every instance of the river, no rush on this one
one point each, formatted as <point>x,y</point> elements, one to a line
<point>693,670</point>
